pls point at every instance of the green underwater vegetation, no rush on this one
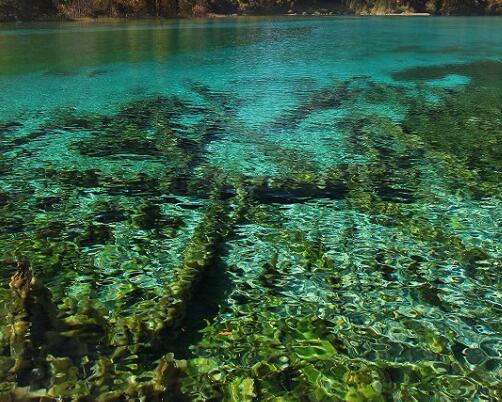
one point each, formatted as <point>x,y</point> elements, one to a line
<point>142,263</point>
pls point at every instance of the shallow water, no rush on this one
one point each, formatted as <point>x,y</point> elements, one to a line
<point>252,209</point>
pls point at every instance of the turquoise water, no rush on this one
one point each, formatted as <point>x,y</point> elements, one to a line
<point>273,209</point>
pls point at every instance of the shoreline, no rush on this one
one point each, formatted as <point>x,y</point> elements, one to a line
<point>91,19</point>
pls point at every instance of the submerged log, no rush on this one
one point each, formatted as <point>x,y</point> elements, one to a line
<point>33,316</point>
<point>161,318</point>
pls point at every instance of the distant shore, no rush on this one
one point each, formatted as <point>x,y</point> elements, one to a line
<point>78,10</point>
<point>210,15</point>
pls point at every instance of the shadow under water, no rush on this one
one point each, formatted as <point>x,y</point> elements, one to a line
<point>171,251</point>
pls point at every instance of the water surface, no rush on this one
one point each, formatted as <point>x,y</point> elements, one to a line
<point>296,208</point>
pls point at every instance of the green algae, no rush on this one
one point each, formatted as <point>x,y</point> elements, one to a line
<point>354,281</point>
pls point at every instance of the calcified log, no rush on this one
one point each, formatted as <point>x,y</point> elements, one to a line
<point>36,335</point>
<point>221,111</point>
<point>161,317</point>
<point>33,315</point>
<point>36,331</point>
